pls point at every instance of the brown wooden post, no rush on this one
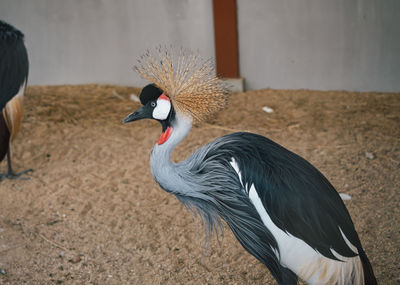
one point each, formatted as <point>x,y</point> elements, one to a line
<point>226,38</point>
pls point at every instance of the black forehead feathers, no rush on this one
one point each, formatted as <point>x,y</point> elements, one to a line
<point>149,93</point>
<point>9,33</point>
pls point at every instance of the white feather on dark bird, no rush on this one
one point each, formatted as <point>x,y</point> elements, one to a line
<point>14,66</point>
<point>280,208</point>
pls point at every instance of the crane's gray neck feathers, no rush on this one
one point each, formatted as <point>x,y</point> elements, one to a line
<point>164,171</point>
<point>181,180</point>
<point>178,178</point>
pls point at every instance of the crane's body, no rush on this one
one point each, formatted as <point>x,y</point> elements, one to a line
<point>280,208</point>
<point>244,173</point>
<point>14,67</point>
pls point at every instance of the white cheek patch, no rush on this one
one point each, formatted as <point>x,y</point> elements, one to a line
<point>161,111</point>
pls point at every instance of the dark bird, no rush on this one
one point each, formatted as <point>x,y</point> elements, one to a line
<point>14,66</point>
<point>280,208</point>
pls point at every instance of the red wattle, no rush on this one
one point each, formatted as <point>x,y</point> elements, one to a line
<point>165,136</point>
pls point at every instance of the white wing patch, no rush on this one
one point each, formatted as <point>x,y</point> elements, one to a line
<point>349,244</point>
<point>236,167</point>
<point>161,111</point>
<point>303,260</point>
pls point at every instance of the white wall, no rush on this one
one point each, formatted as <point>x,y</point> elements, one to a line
<point>313,44</point>
<point>320,44</point>
<point>99,41</point>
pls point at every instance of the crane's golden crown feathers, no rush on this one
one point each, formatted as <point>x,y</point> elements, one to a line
<point>188,80</point>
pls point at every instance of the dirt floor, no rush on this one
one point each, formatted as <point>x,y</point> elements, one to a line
<point>92,214</point>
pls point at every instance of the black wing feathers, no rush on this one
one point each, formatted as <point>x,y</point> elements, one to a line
<point>14,64</point>
<point>297,197</point>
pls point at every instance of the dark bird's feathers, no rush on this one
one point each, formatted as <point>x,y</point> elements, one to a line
<point>293,192</point>
<point>14,64</point>
<point>149,93</point>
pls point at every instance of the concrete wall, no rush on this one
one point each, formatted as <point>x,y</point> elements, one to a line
<point>99,41</point>
<point>314,44</point>
<point>317,44</point>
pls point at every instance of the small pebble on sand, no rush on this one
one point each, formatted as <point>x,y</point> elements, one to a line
<point>370,155</point>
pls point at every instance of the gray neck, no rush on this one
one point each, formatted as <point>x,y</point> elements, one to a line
<point>163,169</point>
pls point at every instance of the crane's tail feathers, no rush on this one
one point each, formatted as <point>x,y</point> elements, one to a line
<point>13,113</point>
<point>369,277</point>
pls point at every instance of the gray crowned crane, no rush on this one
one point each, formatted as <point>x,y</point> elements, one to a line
<point>280,208</point>
<point>14,67</point>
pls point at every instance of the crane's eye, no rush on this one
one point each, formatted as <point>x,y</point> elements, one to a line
<point>153,104</point>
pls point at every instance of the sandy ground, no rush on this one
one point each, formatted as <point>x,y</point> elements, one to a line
<point>92,214</point>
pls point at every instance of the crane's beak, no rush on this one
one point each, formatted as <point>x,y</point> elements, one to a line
<point>142,113</point>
